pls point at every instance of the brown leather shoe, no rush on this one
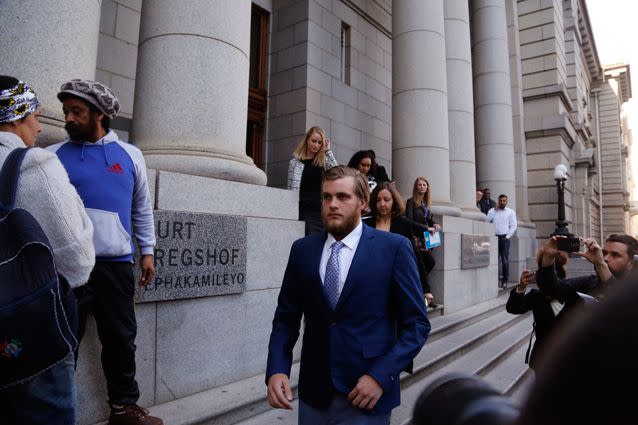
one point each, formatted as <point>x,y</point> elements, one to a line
<point>133,415</point>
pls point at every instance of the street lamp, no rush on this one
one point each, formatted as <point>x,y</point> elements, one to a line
<point>560,175</point>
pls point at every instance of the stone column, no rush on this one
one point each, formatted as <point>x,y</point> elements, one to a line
<point>46,44</point>
<point>516,76</point>
<point>460,108</point>
<point>420,143</point>
<point>191,92</point>
<point>492,99</point>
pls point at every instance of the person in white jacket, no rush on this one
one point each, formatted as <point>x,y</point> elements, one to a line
<point>44,190</point>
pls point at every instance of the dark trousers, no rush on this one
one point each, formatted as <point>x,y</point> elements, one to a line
<point>310,213</point>
<point>504,256</point>
<point>339,412</point>
<point>109,296</point>
<point>426,264</point>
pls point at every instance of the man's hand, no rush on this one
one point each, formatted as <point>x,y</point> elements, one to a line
<point>148,269</point>
<point>366,393</point>
<point>437,227</point>
<point>593,253</point>
<point>327,144</point>
<point>550,251</point>
<point>428,298</point>
<point>279,393</point>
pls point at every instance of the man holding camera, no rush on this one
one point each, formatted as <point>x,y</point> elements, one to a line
<point>612,262</point>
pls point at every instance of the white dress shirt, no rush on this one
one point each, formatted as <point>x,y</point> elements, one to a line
<point>504,220</point>
<point>346,254</point>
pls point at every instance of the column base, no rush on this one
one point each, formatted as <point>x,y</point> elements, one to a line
<point>206,164</point>
<point>446,209</point>
<point>473,215</point>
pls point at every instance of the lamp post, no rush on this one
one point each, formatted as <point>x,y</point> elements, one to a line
<point>560,175</point>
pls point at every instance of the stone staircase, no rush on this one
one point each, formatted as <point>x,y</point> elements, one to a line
<point>483,340</point>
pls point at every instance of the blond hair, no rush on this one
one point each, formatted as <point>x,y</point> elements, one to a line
<point>415,194</point>
<point>301,151</point>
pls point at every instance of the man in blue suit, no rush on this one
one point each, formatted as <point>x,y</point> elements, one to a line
<point>365,319</point>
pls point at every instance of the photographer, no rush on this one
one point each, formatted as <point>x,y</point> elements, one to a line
<point>611,263</point>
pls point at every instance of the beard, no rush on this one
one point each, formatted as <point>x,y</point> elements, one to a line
<point>343,228</point>
<point>78,132</point>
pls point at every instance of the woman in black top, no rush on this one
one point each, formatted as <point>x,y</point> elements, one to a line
<point>377,170</point>
<point>417,208</point>
<point>387,215</point>
<point>305,173</point>
<point>362,161</point>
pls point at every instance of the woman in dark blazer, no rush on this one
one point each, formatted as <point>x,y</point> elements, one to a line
<point>417,209</point>
<point>387,215</point>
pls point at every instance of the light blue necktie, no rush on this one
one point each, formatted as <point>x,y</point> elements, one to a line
<point>331,280</point>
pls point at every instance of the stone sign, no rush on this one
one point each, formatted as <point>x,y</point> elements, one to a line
<point>475,251</point>
<point>196,255</point>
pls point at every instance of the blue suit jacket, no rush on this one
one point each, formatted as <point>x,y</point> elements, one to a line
<point>378,326</point>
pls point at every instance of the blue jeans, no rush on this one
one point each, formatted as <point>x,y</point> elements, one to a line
<point>504,256</point>
<point>49,398</point>
<point>340,412</point>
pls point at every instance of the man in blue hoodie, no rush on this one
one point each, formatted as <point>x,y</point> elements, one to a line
<point>110,177</point>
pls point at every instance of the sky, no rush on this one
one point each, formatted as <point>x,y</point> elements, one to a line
<point>615,26</point>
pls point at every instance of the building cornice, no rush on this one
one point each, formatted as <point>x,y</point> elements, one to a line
<point>621,72</point>
<point>586,158</point>
<point>588,42</point>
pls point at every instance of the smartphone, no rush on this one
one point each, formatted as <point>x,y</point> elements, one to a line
<point>568,244</point>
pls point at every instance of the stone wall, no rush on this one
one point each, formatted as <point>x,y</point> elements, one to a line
<point>117,55</point>
<point>454,287</point>
<point>306,83</point>
<point>612,161</point>
<point>191,345</point>
<point>549,131</point>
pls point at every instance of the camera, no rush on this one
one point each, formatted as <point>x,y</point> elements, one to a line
<point>568,244</point>
<point>463,399</point>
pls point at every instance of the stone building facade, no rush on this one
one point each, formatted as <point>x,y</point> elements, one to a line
<point>478,93</point>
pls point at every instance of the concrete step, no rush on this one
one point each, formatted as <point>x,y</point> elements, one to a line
<point>520,388</point>
<point>244,402</point>
<point>449,323</point>
<point>485,359</point>
<point>505,375</point>
<point>442,351</point>
<point>476,346</point>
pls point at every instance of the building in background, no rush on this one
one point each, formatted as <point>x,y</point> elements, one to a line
<point>470,94</point>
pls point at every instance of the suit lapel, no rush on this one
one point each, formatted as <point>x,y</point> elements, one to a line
<point>316,249</point>
<point>358,264</point>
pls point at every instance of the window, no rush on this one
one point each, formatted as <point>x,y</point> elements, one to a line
<point>345,53</point>
<point>257,95</point>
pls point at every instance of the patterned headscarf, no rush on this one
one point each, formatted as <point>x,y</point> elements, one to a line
<point>17,102</point>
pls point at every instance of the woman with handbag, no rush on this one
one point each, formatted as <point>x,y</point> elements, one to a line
<point>388,215</point>
<point>417,208</point>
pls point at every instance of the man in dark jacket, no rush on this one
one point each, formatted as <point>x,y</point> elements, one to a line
<point>486,203</point>
<point>613,262</point>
